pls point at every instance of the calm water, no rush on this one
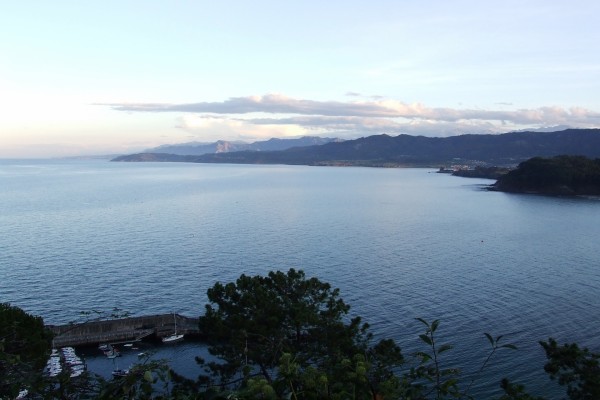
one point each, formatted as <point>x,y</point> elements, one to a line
<point>399,243</point>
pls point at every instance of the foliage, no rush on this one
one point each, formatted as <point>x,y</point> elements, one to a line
<point>515,392</point>
<point>482,172</point>
<point>24,345</point>
<point>441,383</point>
<point>557,175</point>
<point>444,381</point>
<point>576,368</point>
<point>283,336</point>
<point>495,343</point>
<point>24,335</point>
<point>146,380</point>
<point>257,323</point>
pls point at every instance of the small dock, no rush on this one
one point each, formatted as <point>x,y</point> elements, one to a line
<point>129,329</point>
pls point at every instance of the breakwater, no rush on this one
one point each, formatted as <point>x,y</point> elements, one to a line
<point>122,330</point>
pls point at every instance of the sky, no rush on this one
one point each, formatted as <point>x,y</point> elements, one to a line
<point>115,77</point>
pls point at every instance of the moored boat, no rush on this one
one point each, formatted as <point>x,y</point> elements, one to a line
<point>119,373</point>
<point>175,337</point>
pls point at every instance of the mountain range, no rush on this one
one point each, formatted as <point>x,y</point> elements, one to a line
<point>223,146</point>
<point>406,150</point>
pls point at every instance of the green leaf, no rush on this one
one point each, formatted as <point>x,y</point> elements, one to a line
<point>445,347</point>
<point>449,385</point>
<point>426,339</point>
<point>509,346</point>
<point>434,325</point>
<point>424,356</point>
<point>148,376</point>
<point>423,321</point>
<point>487,335</point>
<point>449,371</point>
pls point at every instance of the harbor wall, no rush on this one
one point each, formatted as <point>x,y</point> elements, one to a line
<point>122,330</point>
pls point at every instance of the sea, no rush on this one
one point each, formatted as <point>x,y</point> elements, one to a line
<point>400,243</point>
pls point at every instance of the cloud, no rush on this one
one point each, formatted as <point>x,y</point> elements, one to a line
<point>236,129</point>
<point>270,103</point>
<point>245,116</point>
<point>345,126</point>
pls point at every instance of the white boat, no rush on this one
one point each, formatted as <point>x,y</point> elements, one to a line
<point>175,337</point>
<point>119,373</point>
<point>77,370</point>
<point>54,366</point>
<point>112,352</point>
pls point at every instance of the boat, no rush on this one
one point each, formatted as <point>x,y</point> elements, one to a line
<point>54,366</point>
<point>119,373</point>
<point>65,359</point>
<point>175,337</point>
<point>77,370</point>
<point>112,352</point>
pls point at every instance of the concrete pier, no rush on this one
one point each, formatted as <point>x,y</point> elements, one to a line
<point>122,330</point>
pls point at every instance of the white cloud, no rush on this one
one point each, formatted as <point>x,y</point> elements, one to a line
<point>361,126</point>
<point>276,115</point>
<point>280,104</point>
<point>217,127</point>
